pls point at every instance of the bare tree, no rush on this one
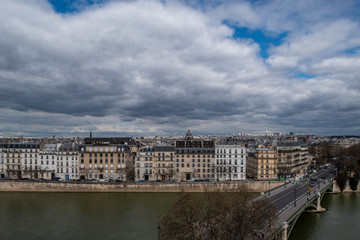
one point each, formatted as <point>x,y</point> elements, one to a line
<point>31,172</point>
<point>122,172</point>
<point>170,172</point>
<point>229,170</point>
<point>42,171</point>
<point>219,215</point>
<point>130,170</point>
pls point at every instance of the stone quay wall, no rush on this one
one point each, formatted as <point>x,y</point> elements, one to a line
<point>28,186</point>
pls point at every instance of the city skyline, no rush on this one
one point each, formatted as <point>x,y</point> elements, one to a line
<point>147,68</point>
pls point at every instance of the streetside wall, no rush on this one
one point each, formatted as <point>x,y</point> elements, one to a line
<point>18,186</point>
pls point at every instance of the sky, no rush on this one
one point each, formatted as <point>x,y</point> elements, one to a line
<point>158,68</point>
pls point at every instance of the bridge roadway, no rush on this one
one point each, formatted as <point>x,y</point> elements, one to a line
<point>293,197</point>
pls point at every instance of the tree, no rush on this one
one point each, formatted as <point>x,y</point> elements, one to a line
<point>130,170</point>
<point>42,171</point>
<point>353,182</point>
<point>31,172</point>
<point>341,181</point>
<point>219,215</point>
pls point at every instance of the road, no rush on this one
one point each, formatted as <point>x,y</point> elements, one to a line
<point>286,197</point>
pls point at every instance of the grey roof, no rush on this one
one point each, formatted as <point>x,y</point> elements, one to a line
<point>68,147</point>
<point>158,148</point>
<point>195,150</point>
<point>49,147</point>
<point>20,145</point>
<point>110,140</point>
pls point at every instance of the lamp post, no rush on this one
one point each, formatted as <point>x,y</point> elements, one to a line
<point>269,189</point>
<point>159,228</point>
<point>295,197</point>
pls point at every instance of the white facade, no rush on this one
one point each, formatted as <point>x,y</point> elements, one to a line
<point>67,166</point>
<point>47,161</point>
<point>2,164</point>
<point>230,162</point>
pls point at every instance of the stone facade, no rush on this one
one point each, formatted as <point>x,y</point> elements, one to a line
<point>104,161</point>
<point>230,162</point>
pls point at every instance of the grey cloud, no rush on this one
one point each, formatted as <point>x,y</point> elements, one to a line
<point>148,67</point>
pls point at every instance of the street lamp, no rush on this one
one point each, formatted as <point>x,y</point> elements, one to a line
<point>295,197</point>
<point>159,228</point>
<point>269,188</point>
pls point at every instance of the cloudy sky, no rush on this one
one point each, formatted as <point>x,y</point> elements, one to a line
<point>146,68</point>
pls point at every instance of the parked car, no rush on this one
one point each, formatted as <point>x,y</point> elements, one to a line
<point>102,180</point>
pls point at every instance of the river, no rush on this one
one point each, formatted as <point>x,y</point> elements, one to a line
<point>82,215</point>
<point>340,221</point>
<point>135,216</point>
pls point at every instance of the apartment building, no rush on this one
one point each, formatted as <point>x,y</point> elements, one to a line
<point>105,161</point>
<point>195,163</point>
<point>47,161</point>
<point>67,163</point>
<point>292,159</point>
<point>14,156</point>
<point>155,163</point>
<point>230,162</point>
<point>261,164</point>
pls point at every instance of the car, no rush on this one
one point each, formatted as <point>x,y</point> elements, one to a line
<point>111,180</point>
<point>102,180</point>
<point>313,179</point>
<point>118,180</point>
<point>57,179</point>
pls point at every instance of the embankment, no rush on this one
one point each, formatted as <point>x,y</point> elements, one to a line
<point>28,186</point>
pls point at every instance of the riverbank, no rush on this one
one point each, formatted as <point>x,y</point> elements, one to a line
<point>22,186</point>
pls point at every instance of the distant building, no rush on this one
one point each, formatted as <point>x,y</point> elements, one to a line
<point>230,162</point>
<point>190,142</point>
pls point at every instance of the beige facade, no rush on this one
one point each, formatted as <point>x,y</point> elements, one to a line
<point>261,164</point>
<point>195,163</point>
<point>104,161</point>
<point>155,163</point>
<point>292,159</point>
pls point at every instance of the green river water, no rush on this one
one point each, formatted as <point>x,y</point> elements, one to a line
<point>135,216</point>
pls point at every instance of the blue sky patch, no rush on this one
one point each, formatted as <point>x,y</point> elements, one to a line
<point>264,40</point>
<point>70,6</point>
